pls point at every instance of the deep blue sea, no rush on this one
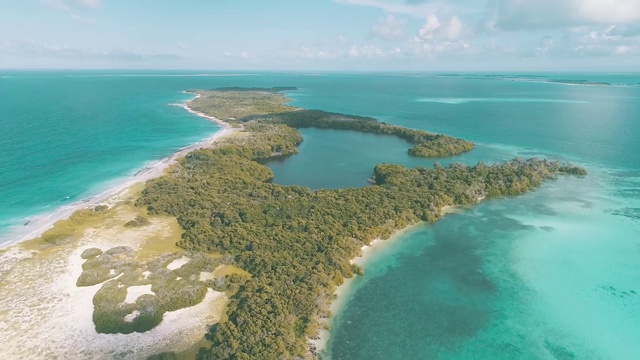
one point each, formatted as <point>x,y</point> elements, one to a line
<point>552,274</point>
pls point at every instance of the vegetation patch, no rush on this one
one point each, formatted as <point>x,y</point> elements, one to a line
<point>66,231</point>
<point>91,253</point>
<point>139,221</point>
<point>135,296</point>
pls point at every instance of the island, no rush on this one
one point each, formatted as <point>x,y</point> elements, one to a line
<point>294,245</point>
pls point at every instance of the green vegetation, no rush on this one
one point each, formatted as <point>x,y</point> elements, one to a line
<point>101,208</point>
<point>171,290</point>
<point>139,221</point>
<point>426,144</point>
<point>297,243</point>
<point>266,106</point>
<point>91,253</point>
<point>66,231</point>
<point>231,104</point>
<point>441,146</point>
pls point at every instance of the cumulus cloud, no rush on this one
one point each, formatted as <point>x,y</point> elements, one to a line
<point>388,28</point>
<point>241,55</point>
<point>307,52</point>
<point>434,29</point>
<point>531,14</point>
<point>587,43</point>
<point>436,49</point>
<point>367,51</point>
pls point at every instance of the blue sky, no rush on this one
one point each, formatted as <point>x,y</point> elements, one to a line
<point>427,35</point>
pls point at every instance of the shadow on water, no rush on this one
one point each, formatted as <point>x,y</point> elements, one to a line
<point>455,295</point>
<point>444,299</point>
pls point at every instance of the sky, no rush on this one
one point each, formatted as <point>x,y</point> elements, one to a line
<point>348,35</point>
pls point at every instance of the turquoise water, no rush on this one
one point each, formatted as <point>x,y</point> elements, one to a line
<point>549,275</point>
<point>552,274</point>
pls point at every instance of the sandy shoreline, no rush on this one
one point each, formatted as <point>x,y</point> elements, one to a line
<point>38,224</point>
<point>44,314</point>
<point>344,291</point>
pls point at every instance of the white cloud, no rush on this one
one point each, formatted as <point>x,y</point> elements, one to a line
<point>437,49</point>
<point>587,43</point>
<point>608,11</point>
<point>367,51</point>
<point>306,52</point>
<point>434,29</point>
<point>388,28</point>
<point>530,14</point>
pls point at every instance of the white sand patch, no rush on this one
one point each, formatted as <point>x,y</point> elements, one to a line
<point>134,292</point>
<point>452,209</point>
<point>177,264</point>
<point>43,315</point>
<point>204,276</point>
<point>132,316</point>
<point>145,275</point>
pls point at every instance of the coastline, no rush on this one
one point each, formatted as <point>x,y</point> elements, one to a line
<point>185,105</point>
<point>38,224</point>
<point>39,280</point>
<point>343,292</point>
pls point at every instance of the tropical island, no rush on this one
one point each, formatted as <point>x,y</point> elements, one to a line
<point>206,238</point>
<point>295,244</point>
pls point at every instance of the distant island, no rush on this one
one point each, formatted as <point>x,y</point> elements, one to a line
<point>293,244</point>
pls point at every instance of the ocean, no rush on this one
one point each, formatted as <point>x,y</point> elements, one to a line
<point>549,275</point>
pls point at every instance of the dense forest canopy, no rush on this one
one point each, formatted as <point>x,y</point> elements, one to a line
<point>267,106</point>
<point>297,243</point>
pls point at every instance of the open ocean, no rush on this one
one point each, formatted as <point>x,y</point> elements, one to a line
<point>553,274</point>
